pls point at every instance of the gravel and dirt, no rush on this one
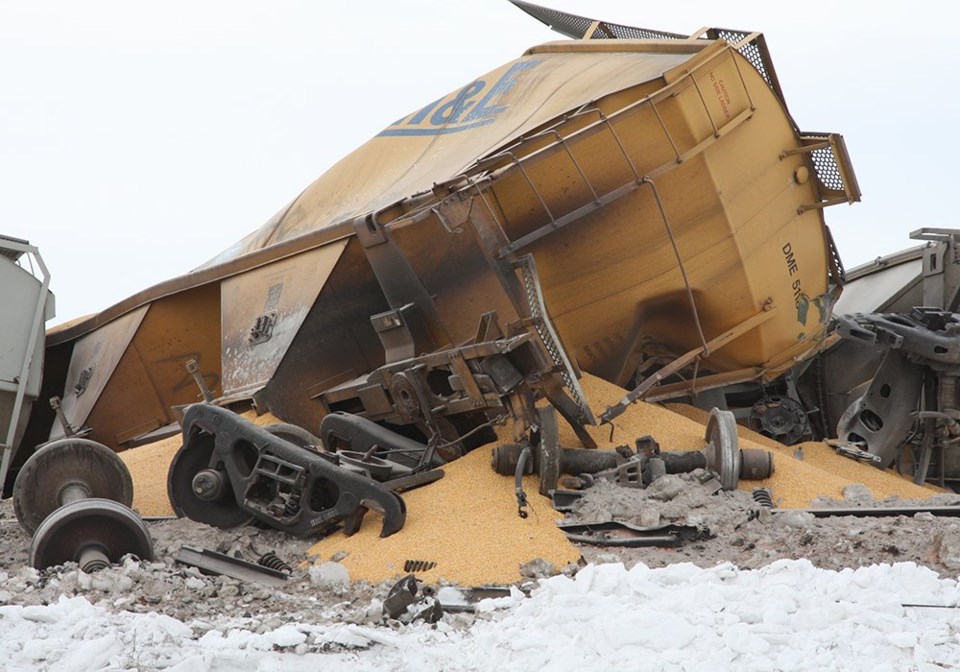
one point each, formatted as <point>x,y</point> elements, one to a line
<point>734,528</point>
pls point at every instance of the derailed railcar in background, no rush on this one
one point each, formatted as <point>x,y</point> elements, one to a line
<point>26,304</point>
<point>610,205</point>
<point>886,389</point>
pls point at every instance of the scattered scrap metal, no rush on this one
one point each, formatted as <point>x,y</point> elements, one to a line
<point>212,562</point>
<point>719,466</point>
<point>721,462</point>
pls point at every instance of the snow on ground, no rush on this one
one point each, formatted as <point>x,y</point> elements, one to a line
<point>789,615</point>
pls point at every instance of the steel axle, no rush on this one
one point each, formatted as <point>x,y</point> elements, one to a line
<point>721,455</point>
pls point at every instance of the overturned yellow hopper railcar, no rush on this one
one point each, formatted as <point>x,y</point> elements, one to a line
<point>634,199</point>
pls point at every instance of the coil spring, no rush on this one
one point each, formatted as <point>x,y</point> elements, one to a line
<point>763,497</point>
<point>418,565</point>
<point>270,560</point>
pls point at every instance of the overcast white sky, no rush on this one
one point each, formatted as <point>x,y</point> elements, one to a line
<point>139,139</point>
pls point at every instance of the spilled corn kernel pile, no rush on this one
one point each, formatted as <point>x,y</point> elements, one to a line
<point>467,522</point>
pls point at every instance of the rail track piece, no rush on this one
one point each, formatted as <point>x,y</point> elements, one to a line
<point>212,562</point>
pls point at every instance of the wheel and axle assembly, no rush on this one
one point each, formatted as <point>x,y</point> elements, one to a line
<point>724,456</point>
<point>74,496</point>
<point>780,418</point>
<point>200,492</point>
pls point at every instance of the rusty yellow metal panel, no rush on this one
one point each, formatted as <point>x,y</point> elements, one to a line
<point>438,141</point>
<point>151,376</point>
<point>335,343</point>
<point>129,406</point>
<point>454,271</point>
<point>95,357</point>
<point>686,186</point>
<point>262,311</point>
<point>179,328</point>
<point>660,187</point>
